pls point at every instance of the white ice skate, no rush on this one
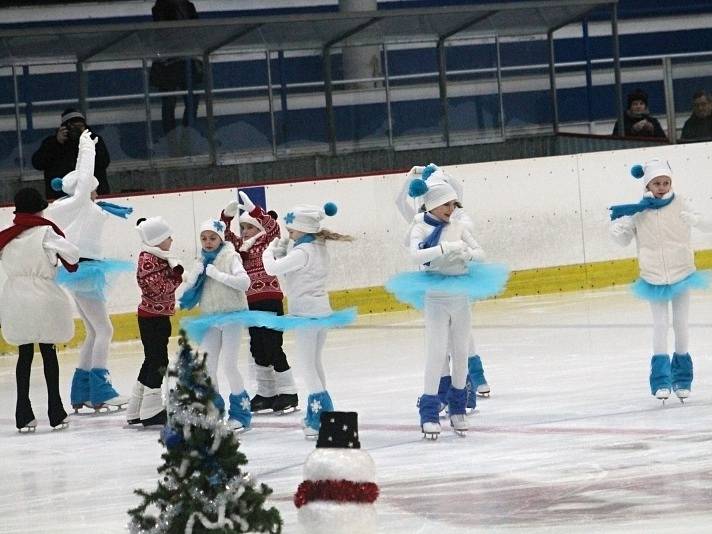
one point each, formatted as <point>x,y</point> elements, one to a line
<point>133,410</point>
<point>459,424</point>
<point>114,404</point>
<point>682,394</point>
<point>237,427</point>
<point>483,390</point>
<point>431,431</point>
<point>310,433</point>
<point>29,427</point>
<point>662,394</point>
<point>61,425</point>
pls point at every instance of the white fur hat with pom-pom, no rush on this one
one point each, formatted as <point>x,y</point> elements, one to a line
<point>307,218</point>
<point>68,184</point>
<point>213,225</point>
<point>433,188</point>
<point>652,169</point>
<point>153,230</point>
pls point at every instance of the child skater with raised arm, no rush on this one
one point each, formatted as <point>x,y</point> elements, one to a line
<point>34,308</point>
<point>82,219</point>
<point>158,276</point>
<point>445,285</point>
<point>303,271</point>
<point>218,284</point>
<point>276,390</point>
<point>660,224</point>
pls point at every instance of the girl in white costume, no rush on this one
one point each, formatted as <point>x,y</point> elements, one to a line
<point>476,382</point>
<point>82,220</point>
<point>218,284</point>
<point>660,224</point>
<point>34,308</point>
<point>443,247</point>
<point>303,273</point>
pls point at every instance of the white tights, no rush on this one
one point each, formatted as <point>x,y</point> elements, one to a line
<point>224,341</point>
<point>309,345</point>
<point>661,323</point>
<point>447,320</point>
<point>94,352</point>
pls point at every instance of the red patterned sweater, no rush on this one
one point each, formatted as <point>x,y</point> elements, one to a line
<point>262,285</point>
<point>158,284</point>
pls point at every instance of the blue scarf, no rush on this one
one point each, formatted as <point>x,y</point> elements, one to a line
<point>646,203</point>
<point>306,238</point>
<point>434,238</point>
<point>115,209</point>
<point>191,297</point>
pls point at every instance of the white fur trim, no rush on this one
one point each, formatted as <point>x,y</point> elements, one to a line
<point>355,465</point>
<point>328,517</point>
<point>305,219</point>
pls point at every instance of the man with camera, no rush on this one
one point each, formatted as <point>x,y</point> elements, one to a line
<point>58,153</point>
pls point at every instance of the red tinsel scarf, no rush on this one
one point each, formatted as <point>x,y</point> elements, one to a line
<point>25,221</point>
<point>335,490</point>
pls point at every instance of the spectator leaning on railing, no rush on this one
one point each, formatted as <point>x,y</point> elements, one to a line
<point>699,125</point>
<point>637,121</point>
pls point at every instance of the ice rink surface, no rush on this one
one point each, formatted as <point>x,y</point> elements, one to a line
<point>571,440</point>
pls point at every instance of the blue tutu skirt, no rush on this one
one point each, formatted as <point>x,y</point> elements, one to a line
<point>647,291</point>
<point>198,325</point>
<point>92,277</point>
<point>481,281</point>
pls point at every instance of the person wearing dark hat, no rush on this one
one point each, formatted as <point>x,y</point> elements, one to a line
<point>57,155</point>
<point>34,308</point>
<point>637,120</point>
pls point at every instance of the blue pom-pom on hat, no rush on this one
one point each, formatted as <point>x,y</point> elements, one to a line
<point>637,171</point>
<point>330,209</point>
<point>417,188</point>
<point>56,183</point>
<point>429,170</point>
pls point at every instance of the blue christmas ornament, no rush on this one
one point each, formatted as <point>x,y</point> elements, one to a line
<point>214,479</point>
<point>330,209</point>
<point>637,171</point>
<point>417,188</point>
<point>171,437</point>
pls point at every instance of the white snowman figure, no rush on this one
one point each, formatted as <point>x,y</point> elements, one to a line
<point>339,489</point>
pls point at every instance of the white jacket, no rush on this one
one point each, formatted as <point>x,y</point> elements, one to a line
<point>224,288</point>
<point>302,274</point>
<point>665,255</point>
<point>34,308</point>
<point>458,230</point>
<point>81,220</point>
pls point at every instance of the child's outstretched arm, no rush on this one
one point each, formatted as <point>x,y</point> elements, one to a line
<point>227,215</point>
<point>296,259</point>
<point>622,230</point>
<point>237,278</point>
<point>694,218</point>
<point>474,251</point>
<point>57,246</point>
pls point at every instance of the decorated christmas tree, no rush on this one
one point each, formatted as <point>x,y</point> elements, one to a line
<point>201,488</point>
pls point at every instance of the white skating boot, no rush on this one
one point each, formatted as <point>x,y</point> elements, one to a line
<point>133,410</point>
<point>459,424</point>
<point>682,394</point>
<point>483,390</point>
<point>29,427</point>
<point>662,394</point>
<point>61,425</point>
<point>431,431</point>
<point>152,411</point>
<point>263,401</point>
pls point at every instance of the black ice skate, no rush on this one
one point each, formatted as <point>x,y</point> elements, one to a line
<point>286,403</point>
<point>260,404</point>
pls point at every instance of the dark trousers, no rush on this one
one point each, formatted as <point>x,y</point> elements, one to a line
<point>23,408</point>
<point>168,111</point>
<point>265,343</point>
<point>155,332</point>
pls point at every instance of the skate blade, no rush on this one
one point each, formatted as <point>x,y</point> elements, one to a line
<point>109,408</point>
<point>266,411</point>
<point>460,433</point>
<point>27,430</point>
<point>484,395</point>
<point>241,430</point>
<point>61,426</point>
<point>431,436</point>
<point>287,411</point>
<point>470,411</point>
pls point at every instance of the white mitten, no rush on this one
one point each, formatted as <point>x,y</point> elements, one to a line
<point>453,247</point>
<point>690,218</point>
<point>247,204</point>
<point>280,250</point>
<point>232,208</point>
<point>416,171</point>
<point>212,272</point>
<point>86,140</point>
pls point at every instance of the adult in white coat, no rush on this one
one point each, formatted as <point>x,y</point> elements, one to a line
<point>660,224</point>
<point>34,308</point>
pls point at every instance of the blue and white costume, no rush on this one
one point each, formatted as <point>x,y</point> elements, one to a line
<point>661,228</point>
<point>303,272</point>
<point>444,287</point>
<point>82,221</point>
